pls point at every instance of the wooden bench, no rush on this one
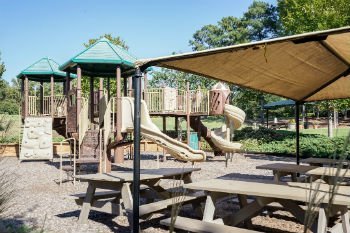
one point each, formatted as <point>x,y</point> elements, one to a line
<point>283,169</point>
<point>195,225</point>
<point>79,197</point>
<point>167,203</point>
<point>320,162</point>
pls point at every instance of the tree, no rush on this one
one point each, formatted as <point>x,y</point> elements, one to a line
<point>259,22</point>
<point>3,83</point>
<point>85,83</point>
<point>299,16</point>
<point>115,40</point>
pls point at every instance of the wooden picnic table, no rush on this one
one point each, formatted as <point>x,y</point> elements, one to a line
<point>330,174</point>
<point>120,181</point>
<point>320,162</point>
<point>283,169</point>
<point>288,195</point>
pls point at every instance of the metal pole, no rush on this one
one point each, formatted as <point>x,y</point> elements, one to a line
<point>92,101</point>
<point>79,100</point>
<point>297,112</point>
<point>137,137</point>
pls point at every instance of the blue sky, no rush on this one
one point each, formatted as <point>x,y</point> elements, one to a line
<point>30,30</point>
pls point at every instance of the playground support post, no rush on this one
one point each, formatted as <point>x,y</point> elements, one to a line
<point>188,110</point>
<point>137,137</point>
<point>41,97</point>
<point>26,95</point>
<point>92,95</point>
<point>118,152</point>
<point>108,88</point>
<point>267,118</point>
<point>52,95</point>
<point>78,94</point>
<point>125,89</point>
<point>297,124</point>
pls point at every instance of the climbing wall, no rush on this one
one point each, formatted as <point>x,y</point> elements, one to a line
<point>37,139</point>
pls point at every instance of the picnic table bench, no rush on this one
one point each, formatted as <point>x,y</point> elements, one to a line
<point>320,162</point>
<point>118,183</point>
<point>283,169</point>
<point>331,175</point>
<point>288,195</point>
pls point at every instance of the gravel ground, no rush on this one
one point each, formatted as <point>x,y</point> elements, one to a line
<point>39,202</point>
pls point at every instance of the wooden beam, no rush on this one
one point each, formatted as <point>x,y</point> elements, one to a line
<point>53,108</point>
<point>26,95</point>
<point>125,89</point>
<point>92,101</point>
<point>188,111</point>
<point>130,86</point>
<point>109,88</point>
<point>41,97</point>
<point>78,95</point>
<point>145,84</point>
<point>119,152</point>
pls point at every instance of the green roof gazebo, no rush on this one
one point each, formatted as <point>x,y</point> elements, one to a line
<point>103,59</point>
<point>43,71</point>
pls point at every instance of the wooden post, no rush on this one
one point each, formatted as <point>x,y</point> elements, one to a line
<point>68,87</point>
<point>125,87</point>
<point>26,96</point>
<point>41,97</point>
<point>188,110</point>
<point>53,108</point>
<point>130,86</point>
<point>92,95</point>
<point>78,95</point>
<point>119,152</point>
<point>145,84</point>
<point>109,88</point>
<point>177,126</point>
<point>164,124</point>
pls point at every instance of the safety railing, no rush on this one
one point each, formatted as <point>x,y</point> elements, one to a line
<point>199,101</point>
<point>84,122</point>
<point>59,106</point>
<point>154,97</point>
<point>163,100</point>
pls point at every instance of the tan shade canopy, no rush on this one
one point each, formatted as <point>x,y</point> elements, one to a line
<point>306,67</point>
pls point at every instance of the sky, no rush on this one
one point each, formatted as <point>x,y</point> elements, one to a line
<point>30,30</point>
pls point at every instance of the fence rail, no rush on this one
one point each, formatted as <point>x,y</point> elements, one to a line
<point>35,108</point>
<point>163,100</point>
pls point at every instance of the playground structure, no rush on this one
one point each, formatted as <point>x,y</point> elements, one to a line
<point>102,124</point>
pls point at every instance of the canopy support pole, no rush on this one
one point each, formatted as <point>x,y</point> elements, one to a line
<point>297,125</point>
<point>78,95</point>
<point>137,137</point>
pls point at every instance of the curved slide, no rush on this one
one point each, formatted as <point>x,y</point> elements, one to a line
<point>150,131</point>
<point>222,137</point>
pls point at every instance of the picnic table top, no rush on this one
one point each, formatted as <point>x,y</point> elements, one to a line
<point>288,191</point>
<point>145,174</point>
<point>325,161</point>
<point>329,171</point>
<point>286,167</point>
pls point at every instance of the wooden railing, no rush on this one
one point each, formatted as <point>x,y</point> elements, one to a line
<point>163,100</point>
<point>60,106</point>
<point>199,101</point>
<point>84,122</point>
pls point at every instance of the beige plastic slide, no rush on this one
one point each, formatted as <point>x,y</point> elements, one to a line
<point>234,120</point>
<point>150,131</point>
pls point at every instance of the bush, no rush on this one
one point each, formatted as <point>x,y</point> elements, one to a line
<point>284,142</point>
<point>9,107</point>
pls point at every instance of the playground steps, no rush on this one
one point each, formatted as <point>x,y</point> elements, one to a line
<point>90,147</point>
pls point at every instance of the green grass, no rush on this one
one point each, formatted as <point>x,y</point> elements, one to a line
<point>339,132</point>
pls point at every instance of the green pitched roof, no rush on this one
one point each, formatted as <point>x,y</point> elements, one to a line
<point>101,59</point>
<point>42,70</point>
